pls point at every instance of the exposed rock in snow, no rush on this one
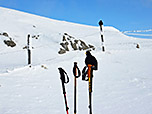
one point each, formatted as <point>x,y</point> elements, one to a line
<point>10,43</point>
<point>69,42</point>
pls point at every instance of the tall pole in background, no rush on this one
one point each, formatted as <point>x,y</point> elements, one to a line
<point>101,32</point>
<point>28,49</point>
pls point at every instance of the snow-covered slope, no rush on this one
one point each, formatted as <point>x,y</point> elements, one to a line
<point>122,85</point>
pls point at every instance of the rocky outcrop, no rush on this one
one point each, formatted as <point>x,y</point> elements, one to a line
<point>36,36</point>
<point>4,34</point>
<point>62,51</point>
<point>8,41</point>
<point>70,43</point>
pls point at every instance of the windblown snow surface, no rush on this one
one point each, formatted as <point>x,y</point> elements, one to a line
<point>122,85</point>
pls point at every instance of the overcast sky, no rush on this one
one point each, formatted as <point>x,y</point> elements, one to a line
<point>122,14</point>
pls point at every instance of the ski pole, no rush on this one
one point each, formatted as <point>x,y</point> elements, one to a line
<point>62,77</point>
<point>90,87</point>
<point>76,73</point>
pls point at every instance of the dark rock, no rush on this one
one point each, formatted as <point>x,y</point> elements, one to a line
<point>65,46</point>
<point>76,41</point>
<point>62,51</point>
<point>64,39</point>
<point>84,46</point>
<point>34,26</point>
<point>35,36</point>
<point>73,45</point>
<point>91,46</point>
<point>5,34</point>
<point>137,46</point>
<point>25,47</point>
<point>10,43</point>
<point>65,33</point>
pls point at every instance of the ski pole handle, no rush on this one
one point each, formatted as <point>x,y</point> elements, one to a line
<point>76,71</point>
<point>62,75</point>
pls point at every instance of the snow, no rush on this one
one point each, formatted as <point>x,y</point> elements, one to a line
<point>122,85</point>
<point>140,33</point>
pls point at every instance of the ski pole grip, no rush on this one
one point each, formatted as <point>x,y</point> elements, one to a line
<point>89,70</point>
<point>76,71</point>
<point>62,75</point>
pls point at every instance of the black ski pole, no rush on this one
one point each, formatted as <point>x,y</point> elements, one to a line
<point>90,87</point>
<point>62,74</point>
<point>76,73</point>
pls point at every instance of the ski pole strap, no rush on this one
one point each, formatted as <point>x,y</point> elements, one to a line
<point>62,74</point>
<point>76,71</point>
<point>84,74</point>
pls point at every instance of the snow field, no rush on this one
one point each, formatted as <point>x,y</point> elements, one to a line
<point>122,85</point>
